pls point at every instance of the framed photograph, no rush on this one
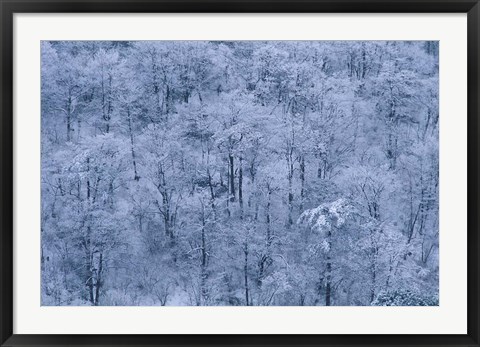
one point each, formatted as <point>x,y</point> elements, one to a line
<point>239,173</point>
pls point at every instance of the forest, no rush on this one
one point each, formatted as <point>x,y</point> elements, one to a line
<point>239,173</point>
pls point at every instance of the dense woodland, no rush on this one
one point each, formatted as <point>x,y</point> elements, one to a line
<point>239,173</point>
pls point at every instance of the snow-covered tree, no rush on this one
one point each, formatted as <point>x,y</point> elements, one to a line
<point>173,173</point>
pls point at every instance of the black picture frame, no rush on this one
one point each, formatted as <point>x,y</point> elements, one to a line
<point>9,8</point>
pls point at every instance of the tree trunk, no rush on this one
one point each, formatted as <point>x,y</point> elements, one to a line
<point>109,103</point>
<point>98,283</point>
<point>232,178</point>
<point>130,130</point>
<point>290,186</point>
<point>156,87</point>
<point>267,217</point>
<point>364,62</point>
<point>166,215</point>
<point>90,275</point>
<point>374,279</point>
<point>328,287</point>
<point>88,181</point>
<point>87,245</point>
<point>104,115</point>
<point>329,283</point>
<point>240,187</point>
<point>302,181</point>
<point>228,189</point>
<point>69,116</point>
<point>212,193</point>
<point>79,127</point>
<point>392,143</point>
<point>266,257</point>
<point>373,272</point>
<point>245,272</point>
<point>89,265</point>
<point>203,272</point>
<point>168,100</point>
<point>290,200</point>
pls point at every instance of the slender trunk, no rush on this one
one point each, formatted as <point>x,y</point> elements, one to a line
<point>232,178</point>
<point>252,172</point>
<point>156,87</point>
<point>392,135</point>
<point>302,180</point>
<point>79,189</point>
<point>212,192</point>
<point>90,274</point>
<point>245,271</point>
<point>390,272</point>
<point>42,256</point>
<point>266,257</point>
<point>290,194</point>
<point>240,187</point>
<point>88,180</point>
<point>99,279</point>
<point>87,245</point>
<point>167,100</point>
<point>104,112</point>
<point>166,216</point>
<point>109,103</point>
<point>374,279</point>
<point>268,218</point>
<point>110,191</point>
<point>89,266</point>
<point>79,127</point>
<point>106,101</point>
<point>228,189</point>
<point>328,288</point>
<point>351,66</point>
<point>257,207</point>
<point>364,62</point>
<point>290,168</point>
<point>204,250</point>
<point>69,116</point>
<point>140,223</point>
<point>132,146</point>
<point>373,273</point>
<point>329,283</point>
<point>166,205</point>
<point>203,273</point>
<point>60,186</point>
<point>355,132</point>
